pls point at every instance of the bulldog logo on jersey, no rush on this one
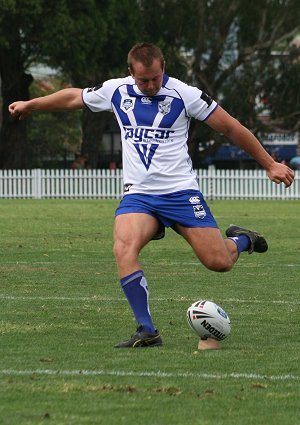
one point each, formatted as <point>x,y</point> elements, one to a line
<point>127,104</point>
<point>164,107</point>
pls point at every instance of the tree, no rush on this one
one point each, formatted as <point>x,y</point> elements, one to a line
<point>226,47</point>
<point>87,41</point>
<point>14,54</point>
<point>283,91</point>
<point>52,135</point>
<point>75,33</point>
<point>96,38</point>
<point>21,33</point>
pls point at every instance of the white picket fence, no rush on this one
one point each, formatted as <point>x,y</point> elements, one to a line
<point>108,184</point>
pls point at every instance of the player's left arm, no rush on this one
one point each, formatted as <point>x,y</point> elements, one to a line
<point>224,123</point>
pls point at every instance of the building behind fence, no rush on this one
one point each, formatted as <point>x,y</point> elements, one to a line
<point>108,184</point>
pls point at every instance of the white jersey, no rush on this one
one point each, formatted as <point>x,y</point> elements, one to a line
<point>154,131</point>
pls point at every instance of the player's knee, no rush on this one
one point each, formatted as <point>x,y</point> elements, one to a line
<point>123,251</point>
<point>119,249</point>
<point>220,265</point>
<point>222,268</point>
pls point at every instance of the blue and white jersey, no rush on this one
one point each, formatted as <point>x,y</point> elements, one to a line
<point>154,131</point>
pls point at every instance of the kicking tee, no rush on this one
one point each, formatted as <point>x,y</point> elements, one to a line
<point>154,131</point>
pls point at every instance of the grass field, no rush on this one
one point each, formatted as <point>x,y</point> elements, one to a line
<point>62,311</point>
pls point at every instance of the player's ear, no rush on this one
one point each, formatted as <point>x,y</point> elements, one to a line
<point>130,71</point>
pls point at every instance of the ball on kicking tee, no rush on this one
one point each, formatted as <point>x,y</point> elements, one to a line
<point>210,322</point>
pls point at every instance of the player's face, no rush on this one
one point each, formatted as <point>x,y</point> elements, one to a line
<point>149,80</point>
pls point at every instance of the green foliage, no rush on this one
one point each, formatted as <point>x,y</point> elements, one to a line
<point>62,310</point>
<point>283,91</point>
<point>74,34</point>
<point>226,47</point>
<point>124,29</point>
<point>79,40</point>
<point>20,21</point>
<point>89,40</point>
<point>52,134</point>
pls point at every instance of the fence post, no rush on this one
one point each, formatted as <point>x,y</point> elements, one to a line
<point>37,183</point>
<point>211,171</point>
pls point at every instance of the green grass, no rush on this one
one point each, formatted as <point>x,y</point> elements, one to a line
<point>62,311</point>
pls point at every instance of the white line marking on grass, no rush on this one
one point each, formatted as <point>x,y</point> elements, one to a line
<point>108,299</point>
<point>158,374</point>
<point>164,264</point>
<point>251,301</point>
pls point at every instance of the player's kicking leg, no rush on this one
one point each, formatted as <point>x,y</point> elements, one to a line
<point>220,254</point>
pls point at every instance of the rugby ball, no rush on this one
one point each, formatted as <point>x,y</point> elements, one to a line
<point>208,320</point>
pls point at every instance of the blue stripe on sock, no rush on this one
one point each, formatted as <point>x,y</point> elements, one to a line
<point>242,243</point>
<point>131,277</point>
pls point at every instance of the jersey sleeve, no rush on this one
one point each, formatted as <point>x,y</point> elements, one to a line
<point>198,104</point>
<point>98,98</point>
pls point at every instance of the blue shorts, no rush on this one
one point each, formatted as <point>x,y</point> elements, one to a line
<point>187,208</point>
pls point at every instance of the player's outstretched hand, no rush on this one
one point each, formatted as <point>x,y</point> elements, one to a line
<point>281,173</point>
<point>19,110</point>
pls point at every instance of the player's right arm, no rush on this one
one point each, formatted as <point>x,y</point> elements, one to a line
<point>70,98</point>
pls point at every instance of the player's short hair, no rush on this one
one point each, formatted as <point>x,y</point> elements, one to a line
<point>145,53</point>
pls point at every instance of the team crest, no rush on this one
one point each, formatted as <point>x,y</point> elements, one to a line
<point>164,107</point>
<point>199,211</point>
<point>127,105</point>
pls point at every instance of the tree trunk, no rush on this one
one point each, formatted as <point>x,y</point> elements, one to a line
<point>15,86</point>
<point>93,125</point>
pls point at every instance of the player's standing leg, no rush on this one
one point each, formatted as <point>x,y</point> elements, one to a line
<point>132,232</point>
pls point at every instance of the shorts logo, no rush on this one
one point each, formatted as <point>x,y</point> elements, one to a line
<point>194,200</point>
<point>199,211</point>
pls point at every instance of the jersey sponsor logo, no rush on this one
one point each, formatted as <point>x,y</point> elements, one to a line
<point>164,107</point>
<point>140,134</point>
<point>146,141</point>
<point>146,152</point>
<point>194,200</point>
<point>127,105</point>
<point>146,100</point>
<point>206,99</point>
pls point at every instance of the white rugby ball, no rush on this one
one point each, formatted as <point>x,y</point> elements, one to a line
<point>208,320</point>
